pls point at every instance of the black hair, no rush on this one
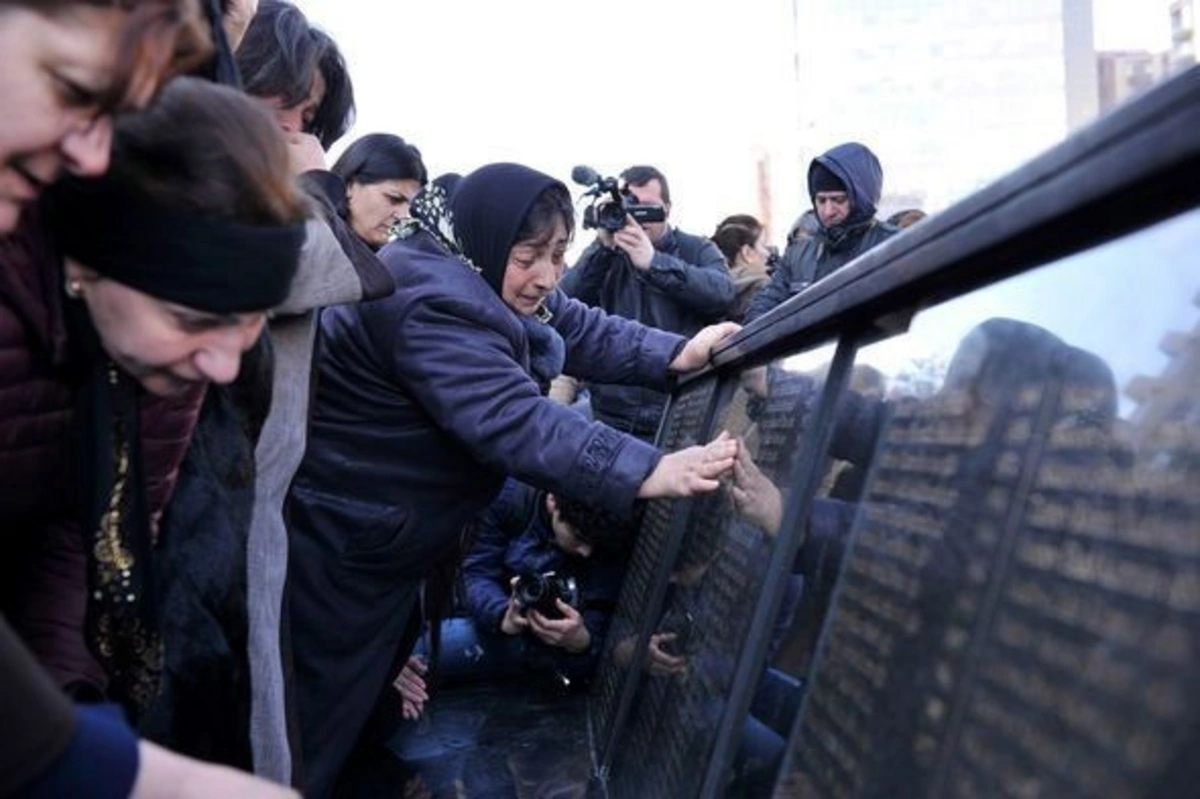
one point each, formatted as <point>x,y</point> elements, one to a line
<point>553,204</point>
<point>600,528</point>
<point>731,238</point>
<point>377,157</point>
<point>746,220</point>
<point>641,175</point>
<point>280,56</point>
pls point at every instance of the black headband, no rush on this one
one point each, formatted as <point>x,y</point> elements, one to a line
<point>213,265</point>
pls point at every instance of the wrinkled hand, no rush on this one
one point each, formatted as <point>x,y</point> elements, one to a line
<point>567,633</point>
<point>694,470</point>
<point>237,19</point>
<point>411,685</point>
<point>697,352</point>
<point>754,496</point>
<point>514,621</point>
<point>661,663</point>
<point>636,243</point>
<point>304,152</point>
<point>162,774</point>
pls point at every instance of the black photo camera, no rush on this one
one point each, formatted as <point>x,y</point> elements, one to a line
<point>539,592</point>
<point>611,205</point>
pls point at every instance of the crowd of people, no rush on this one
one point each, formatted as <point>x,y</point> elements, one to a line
<point>257,410</point>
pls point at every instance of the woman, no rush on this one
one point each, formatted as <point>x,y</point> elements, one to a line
<point>67,66</point>
<point>743,242</point>
<point>382,174</point>
<point>426,400</point>
<point>298,71</point>
<point>135,291</point>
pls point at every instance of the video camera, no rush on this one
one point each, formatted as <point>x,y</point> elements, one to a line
<point>612,205</point>
<point>539,592</point>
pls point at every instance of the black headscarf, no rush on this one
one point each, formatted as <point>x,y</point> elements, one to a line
<point>210,264</point>
<point>489,206</point>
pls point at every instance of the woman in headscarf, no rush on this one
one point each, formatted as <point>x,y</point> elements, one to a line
<point>120,298</point>
<point>425,402</point>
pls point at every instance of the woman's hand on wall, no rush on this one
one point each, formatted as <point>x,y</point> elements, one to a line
<point>694,470</point>
<point>697,352</point>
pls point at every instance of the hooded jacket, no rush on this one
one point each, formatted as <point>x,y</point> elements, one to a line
<point>425,402</point>
<point>807,260</point>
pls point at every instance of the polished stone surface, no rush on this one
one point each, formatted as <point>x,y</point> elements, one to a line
<point>490,741</point>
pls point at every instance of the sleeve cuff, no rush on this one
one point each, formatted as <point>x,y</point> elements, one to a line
<point>100,762</point>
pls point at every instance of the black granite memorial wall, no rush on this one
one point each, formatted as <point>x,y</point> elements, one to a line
<point>1020,611</point>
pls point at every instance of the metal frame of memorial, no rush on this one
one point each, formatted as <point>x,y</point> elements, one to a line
<point>1138,166</point>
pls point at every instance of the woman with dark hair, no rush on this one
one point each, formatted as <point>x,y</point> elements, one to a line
<point>742,240</point>
<point>120,299</point>
<point>426,401</point>
<point>300,74</point>
<point>382,173</point>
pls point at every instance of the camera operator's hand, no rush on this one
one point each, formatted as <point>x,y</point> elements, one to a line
<point>693,470</point>
<point>697,352</point>
<point>636,243</point>
<point>304,152</point>
<point>411,685</point>
<point>567,633</point>
<point>606,238</point>
<point>661,663</point>
<point>514,621</point>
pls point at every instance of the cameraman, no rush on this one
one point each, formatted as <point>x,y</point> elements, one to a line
<point>657,275</point>
<point>527,533</point>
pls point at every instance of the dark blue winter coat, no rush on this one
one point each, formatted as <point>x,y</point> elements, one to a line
<point>807,260</point>
<point>687,287</point>
<point>515,537</point>
<point>424,404</point>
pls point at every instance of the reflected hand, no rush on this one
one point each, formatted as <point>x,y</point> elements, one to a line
<point>411,685</point>
<point>755,381</point>
<point>755,496</point>
<point>304,152</point>
<point>569,632</point>
<point>661,663</point>
<point>636,243</point>
<point>694,470</point>
<point>698,351</point>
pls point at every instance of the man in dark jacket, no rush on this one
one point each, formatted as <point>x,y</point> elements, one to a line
<point>526,533</point>
<point>657,275</point>
<point>845,184</point>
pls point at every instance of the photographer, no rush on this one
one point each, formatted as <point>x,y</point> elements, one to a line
<point>532,544</point>
<point>657,275</point>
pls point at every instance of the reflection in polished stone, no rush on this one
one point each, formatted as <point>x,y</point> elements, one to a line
<point>1022,604</point>
<point>502,740</point>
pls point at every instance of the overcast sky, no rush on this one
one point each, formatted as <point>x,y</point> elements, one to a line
<point>700,89</point>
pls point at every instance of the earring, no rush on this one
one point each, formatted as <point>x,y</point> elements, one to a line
<point>74,289</point>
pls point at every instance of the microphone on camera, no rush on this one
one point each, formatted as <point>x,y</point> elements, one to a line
<point>585,175</point>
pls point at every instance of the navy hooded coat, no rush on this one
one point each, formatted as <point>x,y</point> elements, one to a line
<point>805,261</point>
<point>424,404</point>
